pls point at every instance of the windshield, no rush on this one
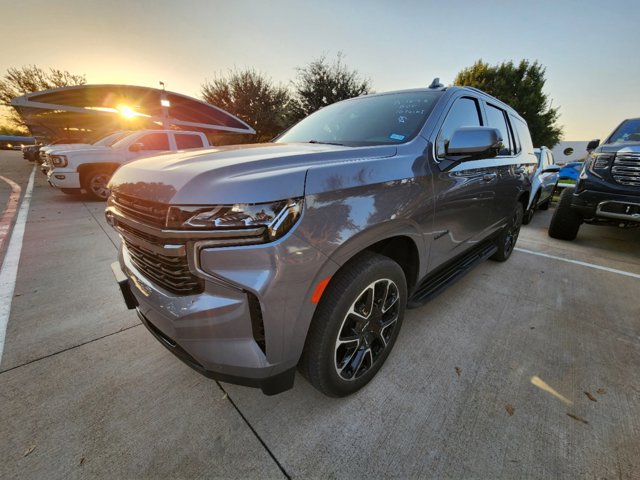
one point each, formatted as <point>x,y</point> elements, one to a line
<point>110,139</point>
<point>629,131</point>
<point>369,120</point>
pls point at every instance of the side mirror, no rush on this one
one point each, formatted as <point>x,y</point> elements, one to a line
<point>136,147</point>
<point>475,143</point>
<point>551,169</point>
<point>593,144</point>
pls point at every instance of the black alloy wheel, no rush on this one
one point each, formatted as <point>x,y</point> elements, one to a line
<point>367,329</point>
<point>355,325</point>
<point>507,239</point>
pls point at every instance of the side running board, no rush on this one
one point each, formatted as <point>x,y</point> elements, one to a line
<point>449,273</point>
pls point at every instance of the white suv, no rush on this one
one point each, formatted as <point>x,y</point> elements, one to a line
<point>91,168</point>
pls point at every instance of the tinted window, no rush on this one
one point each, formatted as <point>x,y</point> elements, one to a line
<point>369,120</point>
<point>154,141</point>
<point>184,141</point>
<point>496,119</point>
<point>463,113</point>
<point>517,143</point>
<point>523,134</point>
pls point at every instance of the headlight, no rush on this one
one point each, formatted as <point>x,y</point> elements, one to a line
<point>599,164</point>
<point>59,160</point>
<point>262,222</point>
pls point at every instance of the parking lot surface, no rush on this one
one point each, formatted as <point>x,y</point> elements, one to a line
<point>526,369</point>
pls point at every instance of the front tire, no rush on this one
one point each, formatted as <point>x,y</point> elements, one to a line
<point>507,239</point>
<point>355,325</point>
<point>565,222</point>
<point>95,184</point>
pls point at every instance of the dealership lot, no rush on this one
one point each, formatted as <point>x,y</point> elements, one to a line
<point>524,369</point>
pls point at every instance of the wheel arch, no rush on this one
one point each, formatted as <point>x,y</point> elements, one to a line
<point>86,168</point>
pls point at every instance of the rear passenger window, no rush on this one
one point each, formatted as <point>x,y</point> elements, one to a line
<point>154,141</point>
<point>185,141</point>
<point>523,134</point>
<point>496,119</point>
<point>463,113</point>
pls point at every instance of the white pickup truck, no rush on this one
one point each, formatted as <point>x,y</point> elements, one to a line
<point>91,168</point>
<point>106,141</point>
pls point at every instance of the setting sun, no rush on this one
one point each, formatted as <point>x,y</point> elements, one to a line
<point>126,112</point>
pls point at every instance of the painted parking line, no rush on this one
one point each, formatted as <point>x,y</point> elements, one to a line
<point>578,262</point>
<point>9,270</point>
<point>10,211</point>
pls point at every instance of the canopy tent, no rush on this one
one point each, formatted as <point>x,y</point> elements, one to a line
<point>86,111</point>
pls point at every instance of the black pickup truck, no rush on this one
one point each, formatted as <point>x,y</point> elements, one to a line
<point>608,189</point>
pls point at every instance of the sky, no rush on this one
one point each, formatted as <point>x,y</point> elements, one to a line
<point>589,48</point>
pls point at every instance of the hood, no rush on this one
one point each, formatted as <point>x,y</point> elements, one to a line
<point>235,174</point>
<point>68,147</point>
<point>92,150</point>
<point>629,147</point>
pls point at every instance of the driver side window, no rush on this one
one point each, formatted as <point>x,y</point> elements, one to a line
<point>463,113</point>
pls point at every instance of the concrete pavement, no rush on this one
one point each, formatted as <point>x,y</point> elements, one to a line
<point>527,369</point>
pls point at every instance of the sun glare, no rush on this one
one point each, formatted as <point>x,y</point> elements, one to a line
<point>126,112</point>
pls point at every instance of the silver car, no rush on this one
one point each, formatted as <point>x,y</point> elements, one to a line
<point>250,261</point>
<point>543,183</point>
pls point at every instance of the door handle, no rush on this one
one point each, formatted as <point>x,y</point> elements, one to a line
<point>488,177</point>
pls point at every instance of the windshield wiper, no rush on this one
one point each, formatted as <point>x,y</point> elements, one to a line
<point>326,143</point>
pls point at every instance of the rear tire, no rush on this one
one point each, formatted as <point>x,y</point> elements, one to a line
<point>565,222</point>
<point>95,183</point>
<point>355,325</point>
<point>507,239</point>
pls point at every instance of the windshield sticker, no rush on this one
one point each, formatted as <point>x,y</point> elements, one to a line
<point>396,136</point>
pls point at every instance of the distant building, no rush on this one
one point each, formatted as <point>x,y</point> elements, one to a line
<point>566,152</point>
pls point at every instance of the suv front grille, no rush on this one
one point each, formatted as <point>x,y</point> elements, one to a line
<point>149,213</point>
<point>626,169</point>
<point>170,272</point>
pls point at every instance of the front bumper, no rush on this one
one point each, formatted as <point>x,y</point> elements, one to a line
<point>63,179</point>
<point>614,207</point>
<point>245,289</point>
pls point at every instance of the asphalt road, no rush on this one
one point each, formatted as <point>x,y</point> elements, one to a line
<point>527,369</point>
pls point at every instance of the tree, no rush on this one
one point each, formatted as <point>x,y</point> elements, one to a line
<point>320,84</point>
<point>519,86</point>
<point>30,78</point>
<point>253,98</point>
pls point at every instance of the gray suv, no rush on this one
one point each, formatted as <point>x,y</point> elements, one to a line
<point>249,261</point>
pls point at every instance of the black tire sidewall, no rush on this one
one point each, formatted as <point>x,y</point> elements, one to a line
<point>335,303</point>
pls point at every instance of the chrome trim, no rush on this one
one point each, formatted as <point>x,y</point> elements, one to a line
<point>185,234</point>
<point>193,253</point>
<point>168,250</point>
<point>635,217</point>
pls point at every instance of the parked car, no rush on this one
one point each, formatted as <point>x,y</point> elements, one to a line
<point>543,184</point>
<point>247,261</point>
<point>31,152</point>
<point>608,189</point>
<point>104,141</point>
<point>568,174</point>
<point>90,168</point>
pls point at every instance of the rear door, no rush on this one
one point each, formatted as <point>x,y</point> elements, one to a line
<point>547,179</point>
<point>506,167</point>
<point>465,191</point>
<point>150,144</point>
<point>186,141</point>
